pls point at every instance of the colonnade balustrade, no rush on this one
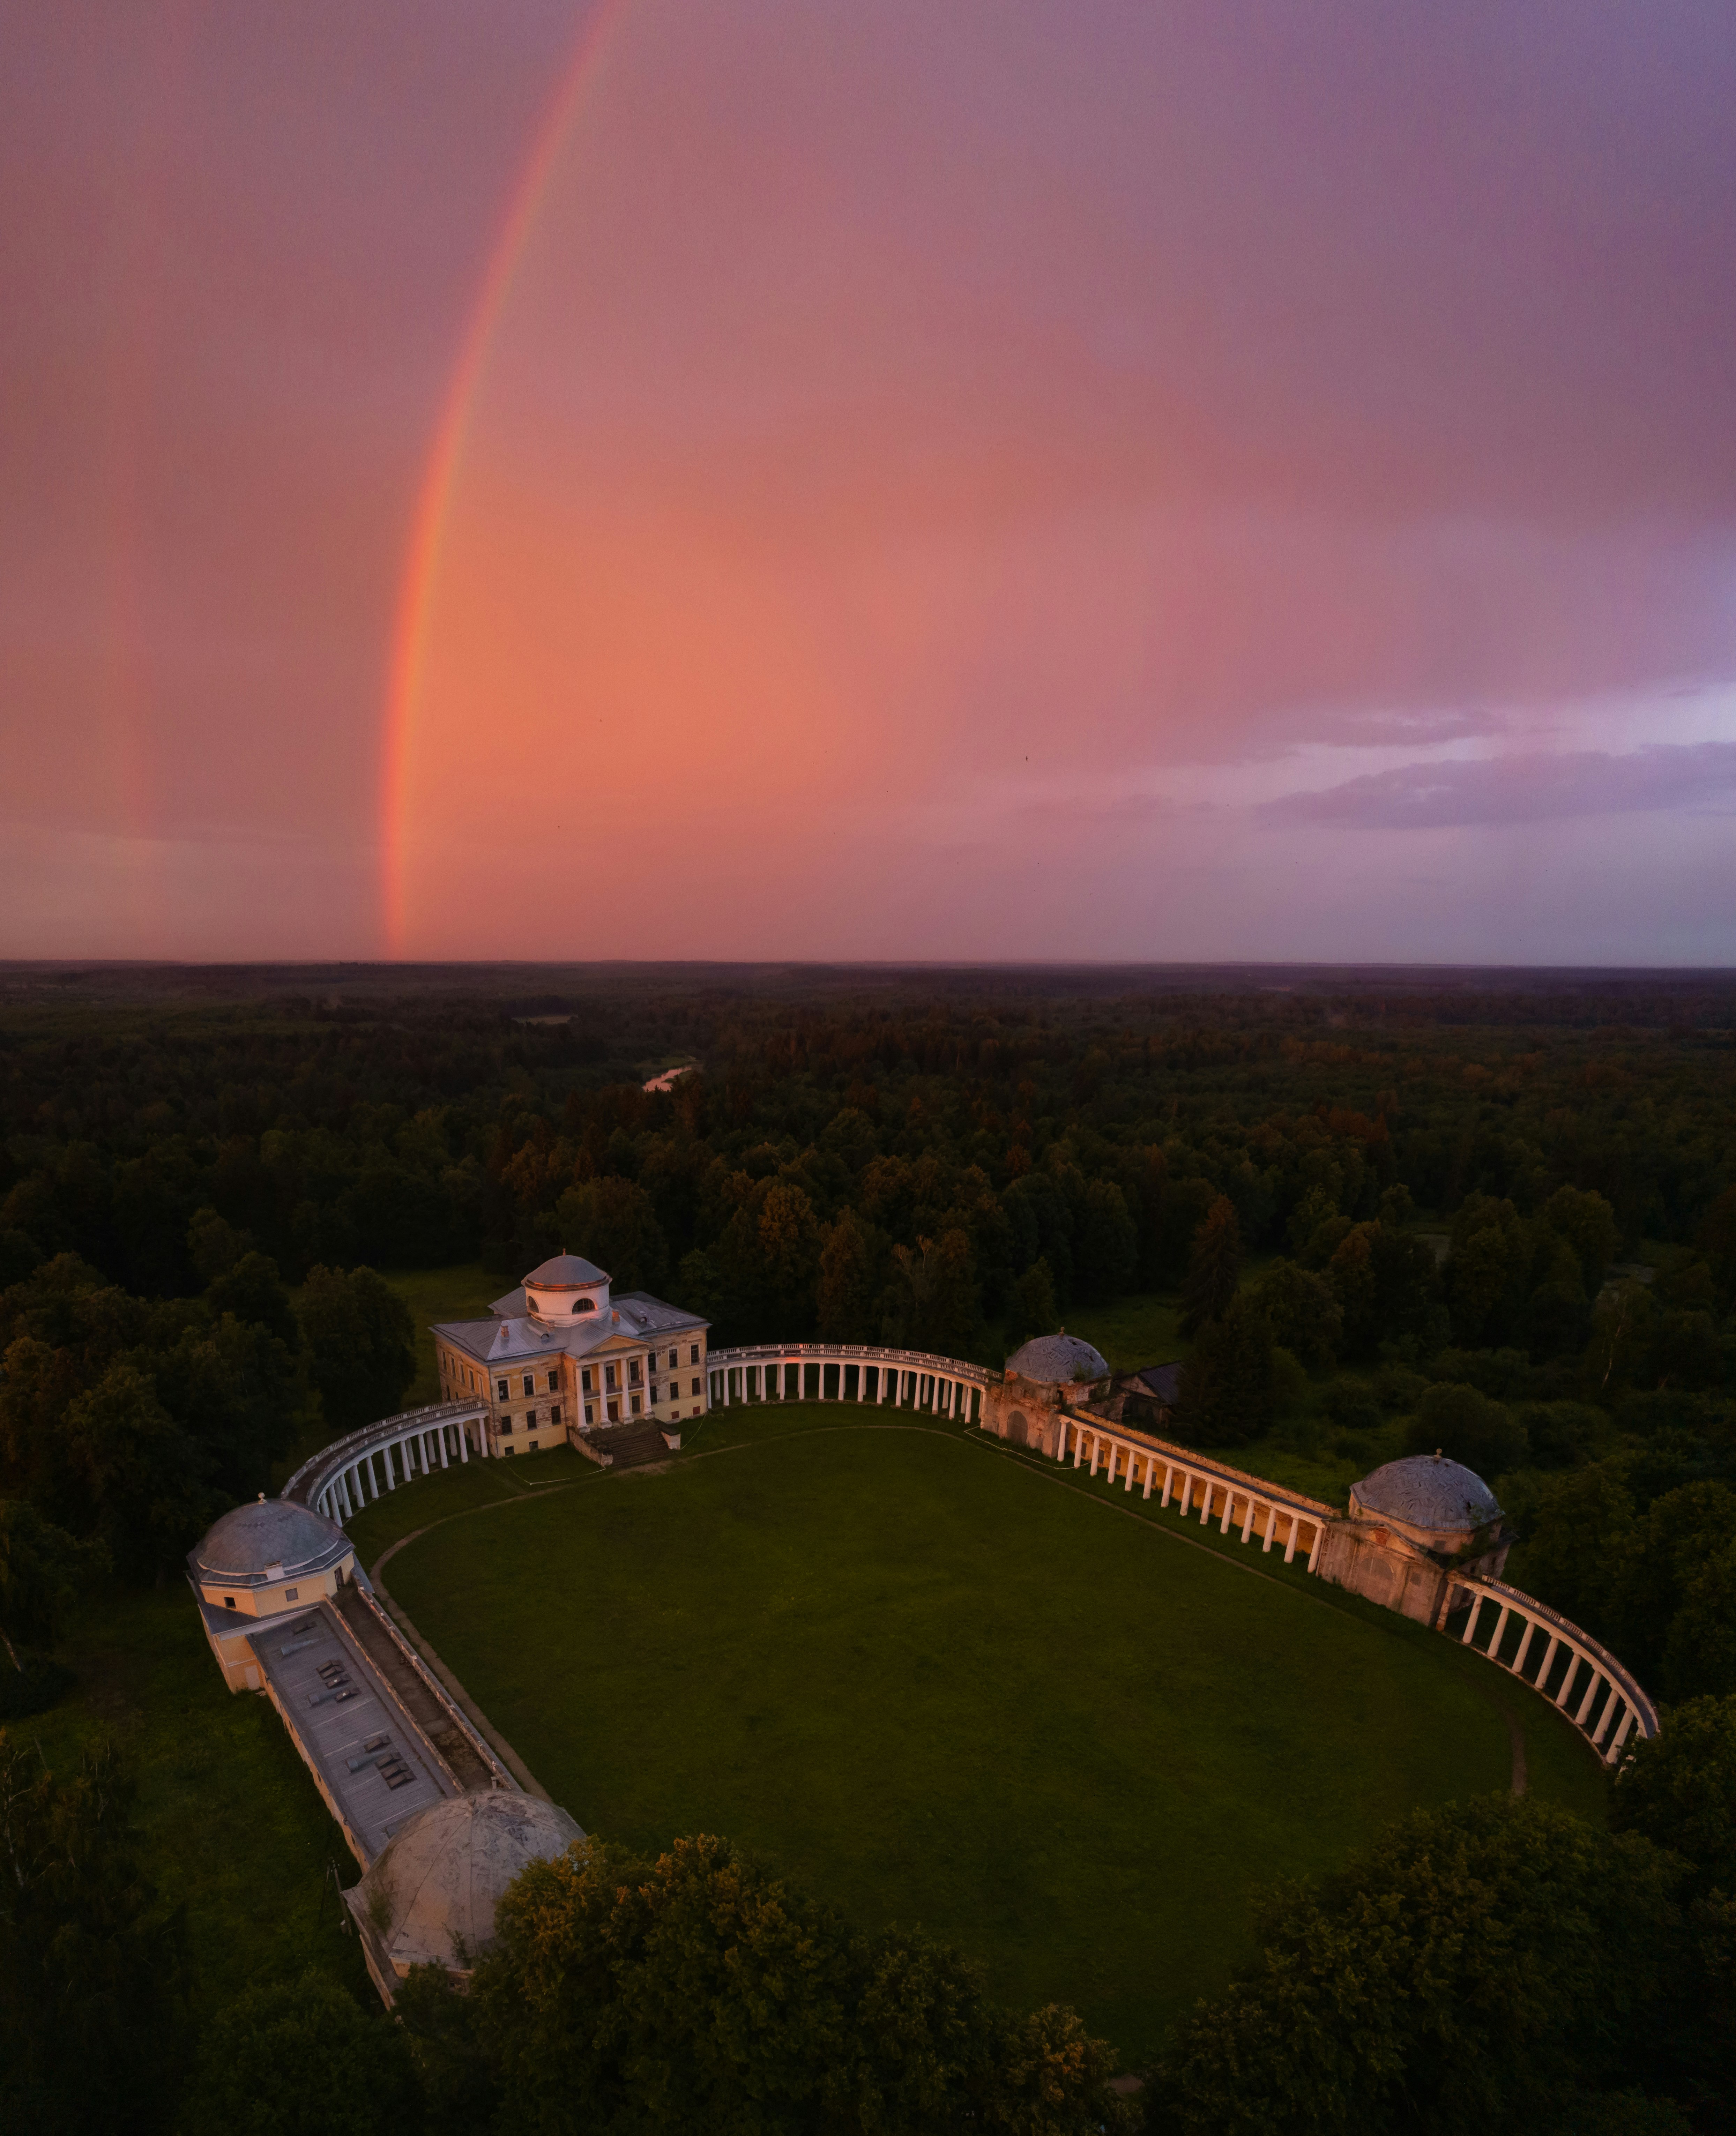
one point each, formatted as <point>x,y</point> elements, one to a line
<point>1559,1662</point>
<point>862,1373</point>
<point>344,1477</point>
<point>1233,1499</point>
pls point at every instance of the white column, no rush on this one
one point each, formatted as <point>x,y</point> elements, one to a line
<point>1609,1714</point>
<point>1078,1441</point>
<point>1168,1483</point>
<point>1205,1502</point>
<point>463,1445</point>
<point>1150,1472</point>
<point>1496,1637</point>
<point>1128,1485</point>
<point>1525,1646</point>
<point>1229,1500</point>
<point>1247,1518</point>
<point>1319,1537</point>
<point>1470,1622</point>
<point>1290,1547</point>
<point>1574,1658</point>
<point>1061,1441</point>
<point>1097,1448</point>
<point>343,1495</point>
<point>1591,1693</point>
<point>1271,1529</point>
<point>1622,1734</point>
<point>441,1434</point>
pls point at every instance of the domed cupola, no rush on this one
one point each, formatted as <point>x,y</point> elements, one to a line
<point>429,1897</point>
<point>1060,1360</point>
<point>564,1288</point>
<point>255,1552</point>
<point>1437,1503</point>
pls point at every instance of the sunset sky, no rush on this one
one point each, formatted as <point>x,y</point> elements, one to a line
<point>730,479</point>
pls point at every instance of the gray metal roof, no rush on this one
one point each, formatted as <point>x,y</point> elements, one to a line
<point>565,1270</point>
<point>1430,1492</point>
<point>1162,1381</point>
<point>1056,1359</point>
<point>272,1538</point>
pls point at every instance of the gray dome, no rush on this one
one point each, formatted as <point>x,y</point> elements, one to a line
<point>431,1896</point>
<point>1056,1359</point>
<point>273,1535</point>
<point>565,1272</point>
<point>1430,1492</point>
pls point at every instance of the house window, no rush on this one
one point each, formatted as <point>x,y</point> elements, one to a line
<point>292,1593</point>
<point>590,1412</point>
<point>696,1386</point>
<point>615,1412</point>
<point>531,1447</point>
<point>506,1423</point>
<point>530,1419</point>
<point>501,1386</point>
<point>554,1414</point>
<point>229,1601</point>
<point>674,1360</point>
<point>693,1358</point>
<point>554,1383</point>
<point>633,1375</point>
<point>609,1379</point>
<point>638,1405</point>
<point>530,1383</point>
<point>584,1379</point>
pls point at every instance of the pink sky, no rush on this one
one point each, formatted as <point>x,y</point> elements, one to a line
<point>1003,480</point>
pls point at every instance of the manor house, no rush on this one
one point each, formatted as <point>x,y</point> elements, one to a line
<point>560,1357</point>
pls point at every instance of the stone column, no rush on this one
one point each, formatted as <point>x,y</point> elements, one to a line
<point>1525,1646</point>
<point>1078,1441</point>
<point>343,1497</point>
<point>1290,1547</point>
<point>1247,1518</point>
<point>1132,1459</point>
<point>1470,1622</point>
<point>1591,1693</point>
<point>1229,1500</point>
<point>445,1463</point>
<point>1169,1483</point>
<point>1271,1530</point>
<point>1320,1536</point>
<point>391,1480</point>
<point>463,1444</point>
<point>1097,1449</point>
<point>1205,1502</point>
<point>1628,1720</point>
<point>1574,1658</point>
<point>1609,1714</point>
<point>1498,1633</point>
<point>1541,1682</point>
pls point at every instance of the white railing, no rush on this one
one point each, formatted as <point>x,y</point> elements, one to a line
<point>320,1476</point>
<point>936,1386</point>
<point>1595,1717</point>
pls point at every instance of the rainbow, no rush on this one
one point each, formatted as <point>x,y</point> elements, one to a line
<point>408,659</point>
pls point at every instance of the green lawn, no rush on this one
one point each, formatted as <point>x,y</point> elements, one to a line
<point>938,1681</point>
<point>463,1292</point>
<point>230,1824</point>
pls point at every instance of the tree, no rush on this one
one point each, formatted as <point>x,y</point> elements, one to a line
<point>1303,1311</point>
<point>144,1481</point>
<point>615,1222</point>
<point>931,1303</point>
<point>1486,1270</point>
<point>254,1292</point>
<point>852,1264</point>
<point>1678,1790</point>
<point>42,1571</point>
<point>360,1344</point>
<point>92,1965</point>
<point>1588,1224</point>
<point>1214,1267</point>
<point>694,1992</point>
<point>1467,1426</point>
<point>301,2054</point>
<point>1228,1391</point>
<point>236,1391</point>
<point>1032,1310</point>
<point>1105,1244</point>
<point>1483,1967</point>
<point>1674,1599</point>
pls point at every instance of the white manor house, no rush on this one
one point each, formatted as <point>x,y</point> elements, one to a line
<point>560,1358</point>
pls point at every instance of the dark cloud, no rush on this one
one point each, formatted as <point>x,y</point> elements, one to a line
<point>1522,790</point>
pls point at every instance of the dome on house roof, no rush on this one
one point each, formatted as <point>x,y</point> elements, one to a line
<point>1428,1491</point>
<point>1056,1359</point>
<point>271,1535</point>
<point>430,1898</point>
<point>566,1271</point>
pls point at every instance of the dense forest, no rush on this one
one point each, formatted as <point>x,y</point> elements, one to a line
<point>1494,1213</point>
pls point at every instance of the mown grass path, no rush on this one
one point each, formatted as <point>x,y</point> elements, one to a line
<point>933,1681</point>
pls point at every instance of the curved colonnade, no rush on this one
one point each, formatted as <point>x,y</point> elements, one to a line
<point>883,1378</point>
<point>1546,1651</point>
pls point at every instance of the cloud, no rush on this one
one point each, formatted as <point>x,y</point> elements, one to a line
<point>1522,790</point>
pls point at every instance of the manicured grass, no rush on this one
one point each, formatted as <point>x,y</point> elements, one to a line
<point>936,1679</point>
<point>230,1824</point>
<point>1134,1332</point>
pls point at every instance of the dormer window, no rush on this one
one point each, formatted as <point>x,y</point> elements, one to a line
<point>584,1305</point>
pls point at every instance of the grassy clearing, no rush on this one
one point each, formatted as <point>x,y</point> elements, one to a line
<point>230,1824</point>
<point>464,1291</point>
<point>934,1681</point>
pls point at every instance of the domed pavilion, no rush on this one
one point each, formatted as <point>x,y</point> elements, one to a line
<point>258,1560</point>
<point>1044,1377</point>
<point>1415,1527</point>
<point>429,1897</point>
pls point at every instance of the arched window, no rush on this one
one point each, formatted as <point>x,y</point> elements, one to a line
<point>584,1305</point>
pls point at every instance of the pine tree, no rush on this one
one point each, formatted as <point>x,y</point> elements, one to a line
<point>1214,1267</point>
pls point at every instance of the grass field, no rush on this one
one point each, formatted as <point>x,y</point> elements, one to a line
<point>937,1680</point>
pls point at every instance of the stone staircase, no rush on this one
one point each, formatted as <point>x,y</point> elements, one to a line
<point>631,1445</point>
